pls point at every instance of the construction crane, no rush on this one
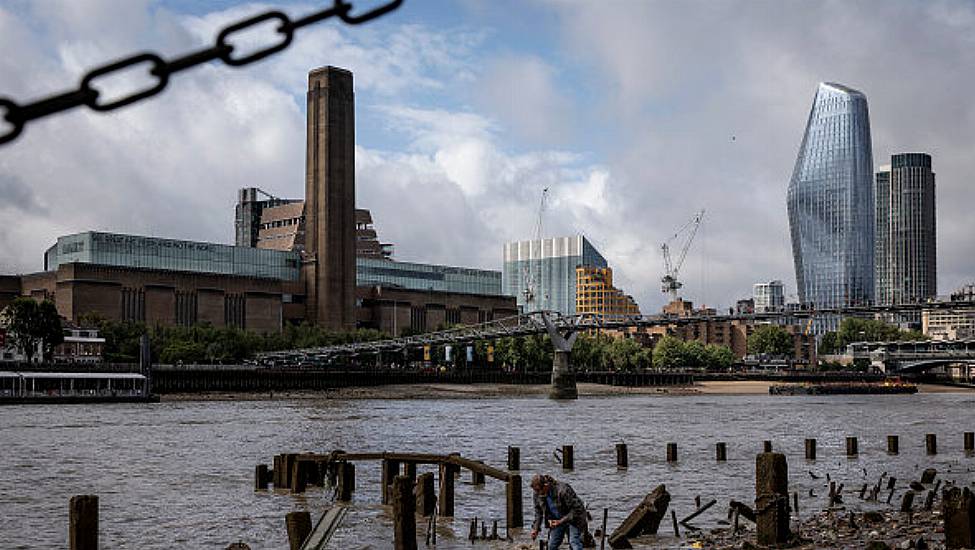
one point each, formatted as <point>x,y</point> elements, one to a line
<point>529,276</point>
<point>670,282</point>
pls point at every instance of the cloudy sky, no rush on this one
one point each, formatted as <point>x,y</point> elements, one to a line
<point>634,114</point>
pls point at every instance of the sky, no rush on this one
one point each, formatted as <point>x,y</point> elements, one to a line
<point>634,114</point>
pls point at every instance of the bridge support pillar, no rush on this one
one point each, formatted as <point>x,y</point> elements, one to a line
<point>563,379</point>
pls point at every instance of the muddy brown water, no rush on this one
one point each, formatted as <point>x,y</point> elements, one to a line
<point>180,474</point>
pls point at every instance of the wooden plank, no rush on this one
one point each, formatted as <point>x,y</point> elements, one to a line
<point>325,528</point>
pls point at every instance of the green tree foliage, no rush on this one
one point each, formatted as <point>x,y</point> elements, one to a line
<point>863,330</point>
<point>674,353</point>
<point>30,323</point>
<point>668,353</point>
<point>772,340</point>
<point>625,354</point>
<point>719,357</point>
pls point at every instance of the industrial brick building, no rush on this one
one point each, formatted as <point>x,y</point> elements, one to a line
<point>315,260</point>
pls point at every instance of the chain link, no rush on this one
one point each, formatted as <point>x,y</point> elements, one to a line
<point>17,116</point>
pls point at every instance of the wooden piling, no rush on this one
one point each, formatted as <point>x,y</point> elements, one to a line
<point>426,499</point>
<point>931,443</point>
<point>893,444</point>
<point>767,446</point>
<point>447,489</point>
<point>810,449</point>
<point>299,527</point>
<point>907,501</point>
<point>288,464</point>
<point>83,522</point>
<point>622,456</point>
<point>514,458</point>
<point>409,470</point>
<point>771,498</point>
<point>299,477</point>
<point>477,478</point>
<point>671,452</point>
<point>673,518</point>
<point>969,441</point>
<point>346,481</point>
<point>851,447</point>
<point>514,502</point>
<point>404,514</point>
<point>568,460</point>
<point>958,511</point>
<point>390,469</point>
<point>278,467</point>
<point>260,477</point>
<point>721,451</point>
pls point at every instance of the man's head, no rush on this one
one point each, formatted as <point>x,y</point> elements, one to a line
<point>541,483</point>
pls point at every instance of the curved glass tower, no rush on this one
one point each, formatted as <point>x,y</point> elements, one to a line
<point>831,202</point>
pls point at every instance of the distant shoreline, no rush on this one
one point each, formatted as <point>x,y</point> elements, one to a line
<point>496,391</point>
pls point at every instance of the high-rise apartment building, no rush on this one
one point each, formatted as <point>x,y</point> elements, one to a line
<point>831,203</point>
<point>544,270</point>
<point>329,262</point>
<point>769,296</point>
<point>596,294</point>
<point>906,257</point>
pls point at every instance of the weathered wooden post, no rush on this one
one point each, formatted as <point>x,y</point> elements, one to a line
<point>622,456</point>
<point>426,499</point>
<point>447,471</point>
<point>767,446</point>
<point>893,444</point>
<point>260,477</point>
<point>409,470</point>
<point>513,500</point>
<point>810,449</point>
<point>671,452</point>
<point>721,451</point>
<point>771,498</point>
<point>514,458</point>
<point>299,477</point>
<point>299,527</point>
<point>568,460</point>
<point>477,478</point>
<point>404,514</point>
<point>958,512</point>
<point>969,441</point>
<point>83,522</point>
<point>390,469</point>
<point>851,447</point>
<point>288,462</point>
<point>278,467</point>
<point>907,502</point>
<point>346,481</point>
<point>931,443</point>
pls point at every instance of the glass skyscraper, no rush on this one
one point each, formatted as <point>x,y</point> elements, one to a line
<point>550,264</point>
<point>831,202</point>
<point>906,252</point>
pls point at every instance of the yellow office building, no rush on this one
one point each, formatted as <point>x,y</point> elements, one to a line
<point>596,294</point>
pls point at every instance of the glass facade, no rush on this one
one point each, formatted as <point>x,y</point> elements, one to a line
<point>831,202</point>
<point>906,251</point>
<point>414,276</point>
<point>173,255</point>
<point>551,264</point>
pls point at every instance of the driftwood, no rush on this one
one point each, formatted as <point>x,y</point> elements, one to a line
<point>643,520</point>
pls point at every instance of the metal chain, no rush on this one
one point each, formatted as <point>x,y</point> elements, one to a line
<point>17,116</point>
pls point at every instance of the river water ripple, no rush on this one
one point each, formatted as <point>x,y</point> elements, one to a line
<point>180,474</point>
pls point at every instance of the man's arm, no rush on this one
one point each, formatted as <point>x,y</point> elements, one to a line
<point>537,503</point>
<point>575,509</point>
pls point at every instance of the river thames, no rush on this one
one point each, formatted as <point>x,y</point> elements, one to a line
<point>179,474</point>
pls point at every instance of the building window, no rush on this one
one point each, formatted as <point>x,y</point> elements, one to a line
<point>133,304</point>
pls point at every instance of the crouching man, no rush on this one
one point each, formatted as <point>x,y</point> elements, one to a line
<point>561,509</point>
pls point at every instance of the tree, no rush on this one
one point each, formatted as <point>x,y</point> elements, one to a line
<point>694,354</point>
<point>719,357</point>
<point>771,340</point>
<point>668,353</point>
<point>32,324</point>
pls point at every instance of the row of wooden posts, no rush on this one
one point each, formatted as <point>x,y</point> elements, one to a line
<point>566,455</point>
